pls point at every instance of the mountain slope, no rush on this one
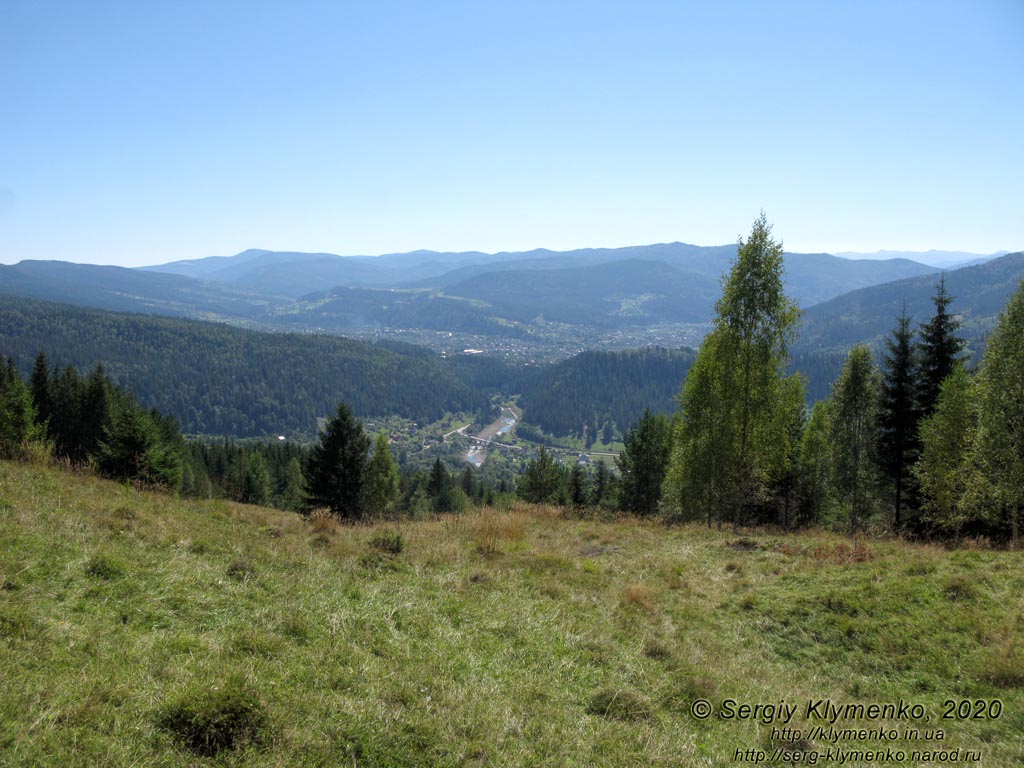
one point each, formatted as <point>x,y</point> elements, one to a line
<point>594,388</point>
<point>128,290</point>
<point>621,292</point>
<point>348,309</point>
<point>868,314</point>
<point>221,380</point>
<point>284,273</point>
<point>492,639</point>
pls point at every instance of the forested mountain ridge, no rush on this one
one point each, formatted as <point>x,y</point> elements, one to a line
<point>867,314</point>
<point>810,278</point>
<point>217,379</point>
<point>933,258</point>
<point>129,290</point>
<point>620,292</point>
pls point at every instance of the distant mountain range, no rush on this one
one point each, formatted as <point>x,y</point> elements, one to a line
<point>810,277</point>
<point>941,259</point>
<point>489,294</point>
<point>570,301</point>
<point>128,290</point>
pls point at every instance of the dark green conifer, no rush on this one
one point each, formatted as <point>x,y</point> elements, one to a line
<point>899,414</point>
<point>338,464</point>
<point>940,349</point>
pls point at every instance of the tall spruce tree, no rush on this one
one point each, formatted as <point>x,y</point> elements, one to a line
<point>95,410</point>
<point>40,384</point>
<point>293,486</point>
<point>134,446</point>
<point>940,349</point>
<point>601,488</point>
<point>643,461</point>
<point>579,490</point>
<point>251,479</point>
<point>899,415</point>
<point>728,439</point>
<point>337,466</point>
<point>441,488</point>
<point>17,413</point>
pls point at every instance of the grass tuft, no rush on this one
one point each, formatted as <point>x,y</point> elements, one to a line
<point>322,522</point>
<point>959,588</point>
<point>103,567</point>
<point>389,542</point>
<point>655,649</point>
<point>491,529</point>
<point>637,596</point>
<point>619,705</point>
<point>211,721</point>
<point>241,570</point>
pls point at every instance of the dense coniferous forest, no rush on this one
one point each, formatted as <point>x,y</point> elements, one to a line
<point>88,421</point>
<point>593,390</point>
<point>221,380</point>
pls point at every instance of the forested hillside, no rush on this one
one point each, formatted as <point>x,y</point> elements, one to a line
<point>595,389</point>
<point>129,290</point>
<point>866,315</point>
<point>221,380</point>
<point>618,293</point>
<point>346,309</point>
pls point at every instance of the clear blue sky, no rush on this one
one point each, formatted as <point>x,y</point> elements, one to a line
<point>141,132</point>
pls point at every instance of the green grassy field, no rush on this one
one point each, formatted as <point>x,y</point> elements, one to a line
<point>140,630</point>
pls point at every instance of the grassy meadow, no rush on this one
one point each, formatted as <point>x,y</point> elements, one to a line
<point>141,630</point>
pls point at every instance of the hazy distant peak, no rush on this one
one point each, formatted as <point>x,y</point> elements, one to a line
<point>933,258</point>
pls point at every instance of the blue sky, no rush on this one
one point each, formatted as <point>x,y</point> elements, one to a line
<point>137,133</point>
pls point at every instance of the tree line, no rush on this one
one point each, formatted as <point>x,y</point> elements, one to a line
<point>88,420</point>
<point>919,445</point>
